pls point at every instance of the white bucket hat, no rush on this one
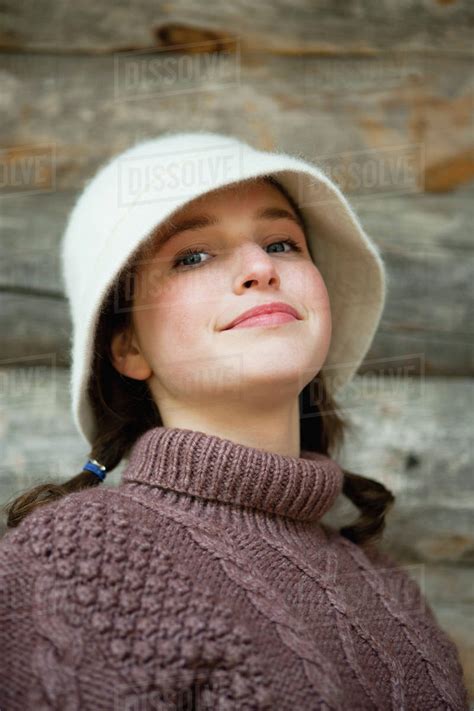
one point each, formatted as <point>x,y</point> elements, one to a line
<point>131,195</point>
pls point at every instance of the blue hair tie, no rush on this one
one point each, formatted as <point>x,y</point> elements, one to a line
<point>92,465</point>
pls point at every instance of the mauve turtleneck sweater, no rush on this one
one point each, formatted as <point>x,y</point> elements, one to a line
<point>206,580</point>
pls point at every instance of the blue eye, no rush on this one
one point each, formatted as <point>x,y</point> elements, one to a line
<point>202,250</point>
<point>289,241</point>
<point>187,255</point>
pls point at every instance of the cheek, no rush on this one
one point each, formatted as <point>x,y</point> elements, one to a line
<point>165,294</point>
<point>184,302</point>
<point>171,314</point>
<point>311,288</point>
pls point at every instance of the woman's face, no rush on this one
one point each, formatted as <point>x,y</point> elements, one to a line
<point>182,303</point>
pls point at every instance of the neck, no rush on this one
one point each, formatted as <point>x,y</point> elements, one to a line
<point>274,430</point>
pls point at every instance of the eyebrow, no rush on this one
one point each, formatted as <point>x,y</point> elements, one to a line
<point>205,220</point>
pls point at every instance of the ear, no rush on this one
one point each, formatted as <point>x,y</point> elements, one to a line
<point>127,357</point>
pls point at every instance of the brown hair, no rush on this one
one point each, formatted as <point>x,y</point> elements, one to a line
<point>124,409</point>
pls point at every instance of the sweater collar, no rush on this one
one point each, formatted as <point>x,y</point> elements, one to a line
<point>210,467</point>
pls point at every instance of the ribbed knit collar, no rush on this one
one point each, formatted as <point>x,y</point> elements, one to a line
<point>217,469</point>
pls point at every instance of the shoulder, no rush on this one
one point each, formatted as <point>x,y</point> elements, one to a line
<point>65,518</point>
<point>77,531</point>
<point>391,596</point>
<point>389,578</point>
<point>66,545</point>
<point>118,590</point>
<point>401,587</point>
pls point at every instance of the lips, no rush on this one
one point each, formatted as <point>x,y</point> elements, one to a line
<point>270,308</point>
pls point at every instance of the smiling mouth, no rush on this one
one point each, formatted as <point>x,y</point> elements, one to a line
<point>276,318</point>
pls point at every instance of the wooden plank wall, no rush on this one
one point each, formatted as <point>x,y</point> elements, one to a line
<point>376,89</point>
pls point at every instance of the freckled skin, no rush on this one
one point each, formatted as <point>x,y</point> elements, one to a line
<point>244,383</point>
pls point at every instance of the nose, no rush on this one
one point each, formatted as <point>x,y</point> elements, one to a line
<point>255,266</point>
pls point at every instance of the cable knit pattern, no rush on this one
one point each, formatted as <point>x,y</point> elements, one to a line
<point>206,580</point>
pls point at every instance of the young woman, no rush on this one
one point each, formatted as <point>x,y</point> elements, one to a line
<point>220,297</point>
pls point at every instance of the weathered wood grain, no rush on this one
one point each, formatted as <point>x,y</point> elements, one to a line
<point>403,125</point>
<point>415,436</point>
<point>282,26</point>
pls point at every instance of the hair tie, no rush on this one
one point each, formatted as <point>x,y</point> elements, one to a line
<point>92,465</point>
